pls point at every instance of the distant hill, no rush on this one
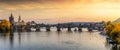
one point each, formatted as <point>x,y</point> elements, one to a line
<point>118,20</point>
<point>77,23</point>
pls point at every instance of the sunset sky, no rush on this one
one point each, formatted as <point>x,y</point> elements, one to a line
<point>56,11</point>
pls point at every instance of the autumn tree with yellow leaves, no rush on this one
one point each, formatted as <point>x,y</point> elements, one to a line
<point>5,26</point>
<point>113,31</point>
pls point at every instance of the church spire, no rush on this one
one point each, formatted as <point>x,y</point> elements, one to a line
<point>19,19</point>
<point>11,15</point>
<point>11,19</point>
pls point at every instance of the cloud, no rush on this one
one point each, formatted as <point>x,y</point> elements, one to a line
<point>14,2</point>
<point>34,4</point>
<point>48,2</point>
<point>44,4</point>
<point>57,8</point>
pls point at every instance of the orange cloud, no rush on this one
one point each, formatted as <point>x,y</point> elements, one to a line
<point>41,4</point>
<point>77,10</point>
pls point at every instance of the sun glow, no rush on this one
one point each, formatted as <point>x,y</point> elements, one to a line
<point>63,10</point>
<point>104,9</point>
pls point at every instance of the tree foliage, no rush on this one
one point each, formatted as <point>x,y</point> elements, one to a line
<point>113,31</point>
<point>5,26</point>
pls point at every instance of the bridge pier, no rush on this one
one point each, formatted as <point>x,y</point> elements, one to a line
<point>58,27</point>
<point>80,28</point>
<point>48,28</point>
<point>37,28</point>
<point>69,28</point>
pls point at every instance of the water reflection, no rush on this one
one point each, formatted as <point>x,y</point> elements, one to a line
<point>19,38</point>
<point>58,33</point>
<point>107,45</point>
<point>111,46</point>
<point>53,40</point>
<point>11,38</point>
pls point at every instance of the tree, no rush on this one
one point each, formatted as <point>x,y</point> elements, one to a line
<point>113,31</point>
<point>5,26</point>
<point>109,28</point>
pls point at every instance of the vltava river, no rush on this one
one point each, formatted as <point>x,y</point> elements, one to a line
<point>53,40</point>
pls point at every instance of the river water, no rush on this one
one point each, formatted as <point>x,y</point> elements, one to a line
<point>53,40</point>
